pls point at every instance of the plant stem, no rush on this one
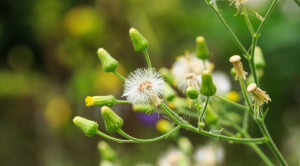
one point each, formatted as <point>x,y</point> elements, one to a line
<point>114,139</point>
<point>270,142</point>
<point>204,108</point>
<point>251,60</point>
<point>206,133</point>
<point>148,140</point>
<point>245,121</point>
<point>248,20</point>
<point>232,103</point>
<point>148,59</point>
<point>232,34</point>
<point>122,101</point>
<point>266,17</point>
<point>119,75</point>
<point>246,95</point>
<point>234,139</point>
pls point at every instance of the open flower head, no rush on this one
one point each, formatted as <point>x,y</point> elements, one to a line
<point>187,69</point>
<point>144,86</point>
<point>258,95</point>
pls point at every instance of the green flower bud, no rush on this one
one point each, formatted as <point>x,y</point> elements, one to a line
<point>192,92</point>
<point>100,101</point>
<point>139,42</point>
<point>207,86</point>
<point>201,125</point>
<point>259,60</point>
<point>89,127</point>
<point>202,50</point>
<point>107,153</point>
<point>167,75</point>
<point>112,121</point>
<point>169,93</point>
<point>143,108</point>
<point>109,64</point>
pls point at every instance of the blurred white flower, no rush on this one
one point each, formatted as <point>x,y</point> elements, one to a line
<point>187,65</point>
<point>174,158</point>
<point>144,86</point>
<point>209,155</point>
<point>222,82</point>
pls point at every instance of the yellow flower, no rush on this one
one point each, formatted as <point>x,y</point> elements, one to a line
<point>163,126</point>
<point>233,96</point>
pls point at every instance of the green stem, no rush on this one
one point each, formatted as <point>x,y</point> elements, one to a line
<point>148,59</point>
<point>114,139</point>
<point>148,140</point>
<point>199,109</point>
<point>122,101</point>
<point>169,112</point>
<point>204,108</point>
<point>248,20</point>
<point>266,17</point>
<point>251,60</point>
<point>206,133</point>
<point>245,121</point>
<point>244,132</point>
<point>271,143</point>
<point>246,95</point>
<point>119,75</point>
<point>234,139</point>
<point>232,34</point>
<point>232,103</point>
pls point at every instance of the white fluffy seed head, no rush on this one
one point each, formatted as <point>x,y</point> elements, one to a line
<point>144,86</point>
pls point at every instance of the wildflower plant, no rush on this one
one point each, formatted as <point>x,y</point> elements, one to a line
<point>148,90</point>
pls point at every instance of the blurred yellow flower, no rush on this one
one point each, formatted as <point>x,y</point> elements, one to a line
<point>163,126</point>
<point>82,20</point>
<point>57,112</point>
<point>233,96</point>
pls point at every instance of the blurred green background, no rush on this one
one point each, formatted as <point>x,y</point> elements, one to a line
<point>48,65</point>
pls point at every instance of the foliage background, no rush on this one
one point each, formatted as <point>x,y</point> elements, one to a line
<point>48,65</point>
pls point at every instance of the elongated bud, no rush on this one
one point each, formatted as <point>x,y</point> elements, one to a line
<point>167,75</point>
<point>139,42</point>
<point>107,153</point>
<point>258,95</point>
<point>88,127</point>
<point>259,60</point>
<point>100,101</point>
<point>143,108</point>
<point>109,64</point>
<point>169,93</point>
<point>112,121</point>
<point>207,86</point>
<point>192,93</point>
<point>238,67</point>
<point>202,50</point>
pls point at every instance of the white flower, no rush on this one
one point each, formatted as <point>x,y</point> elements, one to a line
<point>144,86</point>
<point>187,65</point>
<point>222,82</point>
<point>209,156</point>
<point>174,158</point>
